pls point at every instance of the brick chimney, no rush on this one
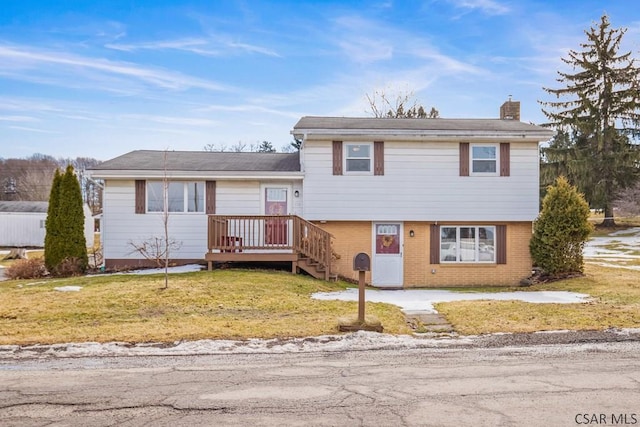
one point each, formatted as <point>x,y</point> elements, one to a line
<point>510,110</point>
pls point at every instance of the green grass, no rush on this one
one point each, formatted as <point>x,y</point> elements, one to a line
<point>223,304</point>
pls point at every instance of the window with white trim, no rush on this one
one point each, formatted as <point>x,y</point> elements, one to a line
<point>181,196</point>
<point>468,244</point>
<point>484,159</point>
<point>357,158</point>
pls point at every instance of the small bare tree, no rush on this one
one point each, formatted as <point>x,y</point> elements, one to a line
<point>155,249</point>
<point>159,249</point>
<point>403,105</point>
<point>239,147</point>
<point>220,148</point>
<point>628,201</point>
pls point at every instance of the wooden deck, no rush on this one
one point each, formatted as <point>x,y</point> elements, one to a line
<point>270,238</point>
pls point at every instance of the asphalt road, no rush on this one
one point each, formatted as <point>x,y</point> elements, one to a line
<point>561,384</point>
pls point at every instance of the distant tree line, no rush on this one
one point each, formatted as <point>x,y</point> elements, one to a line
<point>262,147</point>
<point>30,178</point>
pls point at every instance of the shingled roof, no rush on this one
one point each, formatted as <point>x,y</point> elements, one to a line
<point>369,125</point>
<point>203,161</point>
<point>24,207</point>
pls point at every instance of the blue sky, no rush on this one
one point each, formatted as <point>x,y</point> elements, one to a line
<point>101,78</point>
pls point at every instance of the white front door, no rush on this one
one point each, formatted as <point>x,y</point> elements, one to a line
<point>386,268</point>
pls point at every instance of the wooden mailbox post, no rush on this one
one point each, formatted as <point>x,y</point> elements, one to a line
<point>361,264</point>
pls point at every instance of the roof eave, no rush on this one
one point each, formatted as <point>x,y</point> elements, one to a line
<point>435,135</point>
<point>195,175</point>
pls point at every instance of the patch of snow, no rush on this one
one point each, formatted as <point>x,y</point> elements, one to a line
<point>626,241</point>
<point>356,341</point>
<point>613,250</point>
<point>421,300</point>
<point>608,264</point>
<point>36,283</point>
<point>179,269</point>
<point>68,288</point>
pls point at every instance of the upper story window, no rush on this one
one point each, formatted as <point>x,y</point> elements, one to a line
<point>357,158</point>
<point>181,196</point>
<point>484,159</point>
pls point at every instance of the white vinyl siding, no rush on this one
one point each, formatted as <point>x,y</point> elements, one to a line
<point>421,182</point>
<point>120,224</point>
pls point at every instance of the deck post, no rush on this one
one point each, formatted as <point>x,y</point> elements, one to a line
<point>327,258</point>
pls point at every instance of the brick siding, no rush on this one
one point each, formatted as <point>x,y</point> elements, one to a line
<point>352,237</point>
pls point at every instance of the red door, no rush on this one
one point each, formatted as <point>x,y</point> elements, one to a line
<point>276,232</point>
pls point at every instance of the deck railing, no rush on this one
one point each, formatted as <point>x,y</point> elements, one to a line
<point>269,233</point>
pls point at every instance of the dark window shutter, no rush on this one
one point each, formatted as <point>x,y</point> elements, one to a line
<point>434,246</point>
<point>141,197</point>
<point>464,159</point>
<point>337,157</point>
<point>210,191</point>
<point>505,154</point>
<point>378,158</point>
<point>501,244</point>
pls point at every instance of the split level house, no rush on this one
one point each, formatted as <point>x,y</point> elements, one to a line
<point>433,202</point>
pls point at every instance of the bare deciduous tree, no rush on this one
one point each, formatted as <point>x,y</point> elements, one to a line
<point>239,147</point>
<point>628,202</point>
<point>219,148</point>
<point>401,105</point>
<point>156,249</point>
<point>159,249</point>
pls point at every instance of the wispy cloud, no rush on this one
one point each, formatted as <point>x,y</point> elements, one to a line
<point>247,108</point>
<point>488,7</point>
<point>17,119</point>
<point>183,121</point>
<point>193,45</point>
<point>15,59</point>
<point>363,49</point>
<point>442,64</point>
<point>217,46</point>
<point>25,104</point>
<point>253,49</point>
<point>34,130</point>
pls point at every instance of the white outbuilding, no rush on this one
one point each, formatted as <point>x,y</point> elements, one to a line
<point>22,224</point>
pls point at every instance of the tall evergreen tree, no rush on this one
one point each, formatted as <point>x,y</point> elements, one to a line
<point>52,238</point>
<point>64,238</point>
<point>600,117</point>
<point>72,219</point>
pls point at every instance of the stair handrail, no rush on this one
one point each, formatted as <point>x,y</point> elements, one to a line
<point>313,242</point>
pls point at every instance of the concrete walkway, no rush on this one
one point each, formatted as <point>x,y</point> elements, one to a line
<point>422,317</point>
<point>422,300</point>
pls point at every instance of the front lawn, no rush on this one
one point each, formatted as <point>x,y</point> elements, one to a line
<point>223,304</point>
<point>615,303</point>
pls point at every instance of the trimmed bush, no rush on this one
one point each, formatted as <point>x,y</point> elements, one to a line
<point>561,230</point>
<point>32,268</point>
